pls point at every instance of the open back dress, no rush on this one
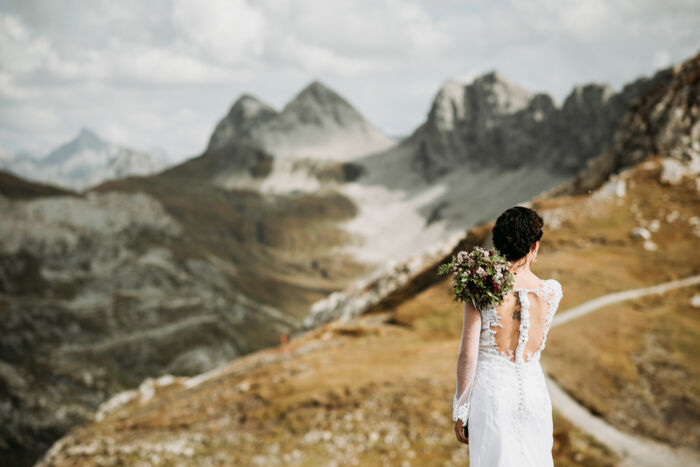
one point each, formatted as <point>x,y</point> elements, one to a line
<point>501,393</point>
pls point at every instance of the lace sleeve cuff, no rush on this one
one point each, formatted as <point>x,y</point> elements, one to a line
<point>460,411</point>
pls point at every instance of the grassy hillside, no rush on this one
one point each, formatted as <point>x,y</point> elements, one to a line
<point>101,290</point>
<point>277,242</point>
<point>377,390</point>
<point>14,187</point>
<point>635,363</point>
<point>365,393</point>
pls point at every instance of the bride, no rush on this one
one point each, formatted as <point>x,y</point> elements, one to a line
<point>501,405</point>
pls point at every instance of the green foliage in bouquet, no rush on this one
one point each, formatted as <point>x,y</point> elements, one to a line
<point>480,276</point>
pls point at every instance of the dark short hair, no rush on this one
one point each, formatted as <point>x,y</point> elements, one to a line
<point>515,231</point>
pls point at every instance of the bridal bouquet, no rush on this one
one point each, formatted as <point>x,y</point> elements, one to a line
<point>480,275</point>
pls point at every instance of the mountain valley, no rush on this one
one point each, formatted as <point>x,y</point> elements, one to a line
<point>171,274</point>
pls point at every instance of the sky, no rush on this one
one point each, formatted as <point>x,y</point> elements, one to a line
<point>160,74</point>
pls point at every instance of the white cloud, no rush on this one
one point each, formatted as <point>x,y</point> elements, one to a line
<point>229,32</point>
<point>25,53</point>
<point>162,72</point>
<point>661,59</point>
<point>366,29</point>
<point>32,116</point>
<point>586,21</point>
<point>349,38</point>
<point>11,91</point>
<point>314,59</point>
<point>20,50</point>
<point>158,65</point>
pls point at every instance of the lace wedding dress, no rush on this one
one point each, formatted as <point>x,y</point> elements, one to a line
<point>501,393</point>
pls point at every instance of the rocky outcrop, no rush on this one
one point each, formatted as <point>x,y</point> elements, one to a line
<point>317,123</point>
<point>493,122</point>
<point>245,115</point>
<point>664,120</point>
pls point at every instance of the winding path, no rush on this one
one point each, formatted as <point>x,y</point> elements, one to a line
<point>633,449</point>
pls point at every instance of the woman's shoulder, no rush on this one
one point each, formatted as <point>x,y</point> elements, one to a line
<point>541,283</point>
<point>554,285</point>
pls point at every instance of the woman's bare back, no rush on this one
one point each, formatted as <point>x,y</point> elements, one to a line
<point>507,326</point>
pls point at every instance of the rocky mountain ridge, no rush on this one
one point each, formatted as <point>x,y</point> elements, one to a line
<point>84,161</point>
<point>492,121</point>
<point>316,123</point>
<point>665,120</point>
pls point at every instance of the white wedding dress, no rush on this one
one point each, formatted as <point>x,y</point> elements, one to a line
<point>501,390</point>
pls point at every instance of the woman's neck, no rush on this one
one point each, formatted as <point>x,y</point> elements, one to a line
<point>521,268</point>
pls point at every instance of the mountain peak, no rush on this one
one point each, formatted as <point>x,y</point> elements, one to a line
<point>448,105</point>
<point>86,160</point>
<point>493,76</point>
<point>500,93</point>
<point>317,122</point>
<point>317,104</point>
<point>591,92</point>
<point>246,113</point>
<point>88,136</point>
<point>248,106</point>
<point>451,88</point>
<point>318,92</point>
<point>316,86</point>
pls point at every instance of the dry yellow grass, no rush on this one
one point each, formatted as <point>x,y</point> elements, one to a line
<point>367,394</point>
<point>378,391</point>
<point>592,252</point>
<point>635,363</point>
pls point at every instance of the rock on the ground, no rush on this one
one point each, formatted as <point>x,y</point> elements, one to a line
<point>641,233</point>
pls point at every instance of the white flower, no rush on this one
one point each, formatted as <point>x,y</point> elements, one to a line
<point>481,271</point>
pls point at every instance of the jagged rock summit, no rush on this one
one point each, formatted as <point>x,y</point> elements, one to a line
<point>320,105</point>
<point>86,140</point>
<point>494,122</point>
<point>489,95</point>
<point>665,120</point>
<point>84,161</point>
<point>245,114</point>
<point>317,123</point>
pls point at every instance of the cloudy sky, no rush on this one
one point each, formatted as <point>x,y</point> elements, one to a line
<point>161,73</point>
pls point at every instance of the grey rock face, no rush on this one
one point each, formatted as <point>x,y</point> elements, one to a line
<point>663,120</point>
<point>247,113</point>
<point>95,298</point>
<point>318,122</point>
<point>493,122</point>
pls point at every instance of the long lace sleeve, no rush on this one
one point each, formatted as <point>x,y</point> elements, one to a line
<point>466,362</point>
